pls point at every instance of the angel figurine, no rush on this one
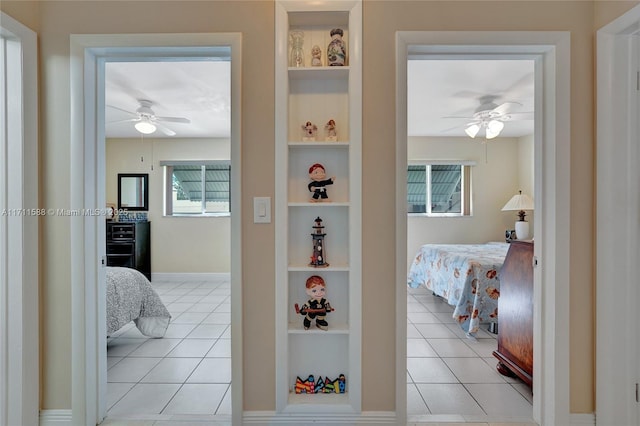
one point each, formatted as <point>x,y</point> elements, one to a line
<point>316,56</point>
<point>330,130</point>
<point>309,131</point>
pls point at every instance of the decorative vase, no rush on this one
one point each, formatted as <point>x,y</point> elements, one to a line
<point>296,58</point>
<point>337,50</point>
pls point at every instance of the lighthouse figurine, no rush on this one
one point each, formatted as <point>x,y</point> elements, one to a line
<point>318,257</point>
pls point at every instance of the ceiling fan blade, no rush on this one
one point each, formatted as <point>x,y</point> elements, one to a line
<point>504,108</point>
<point>174,119</point>
<point>128,120</point>
<point>516,116</point>
<point>165,130</point>
<point>123,110</point>
<point>459,117</point>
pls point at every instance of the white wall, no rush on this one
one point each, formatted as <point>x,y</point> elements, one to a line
<point>178,244</point>
<point>502,167</point>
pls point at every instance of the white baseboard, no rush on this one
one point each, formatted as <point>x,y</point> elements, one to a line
<point>55,418</point>
<point>188,276</point>
<point>583,419</point>
<point>270,418</point>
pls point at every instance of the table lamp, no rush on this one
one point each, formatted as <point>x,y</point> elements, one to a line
<point>520,202</point>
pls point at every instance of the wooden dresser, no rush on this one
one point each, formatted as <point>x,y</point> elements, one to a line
<point>515,313</point>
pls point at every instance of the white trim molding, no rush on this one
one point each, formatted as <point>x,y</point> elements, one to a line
<point>55,418</point>
<point>270,418</point>
<point>617,228</point>
<point>550,52</point>
<point>88,54</point>
<point>19,331</point>
<point>586,419</point>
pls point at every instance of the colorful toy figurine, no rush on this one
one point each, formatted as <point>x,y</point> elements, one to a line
<point>327,385</point>
<point>309,131</point>
<point>318,183</point>
<point>305,386</point>
<point>330,130</point>
<point>317,306</point>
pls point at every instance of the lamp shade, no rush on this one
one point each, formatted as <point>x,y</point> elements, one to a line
<point>494,127</point>
<point>519,202</point>
<point>472,130</point>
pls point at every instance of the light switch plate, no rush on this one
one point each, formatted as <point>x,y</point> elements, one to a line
<point>261,209</point>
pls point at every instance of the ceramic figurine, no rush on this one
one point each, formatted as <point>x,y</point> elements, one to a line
<point>305,386</point>
<point>319,255</point>
<point>337,50</point>
<point>317,307</point>
<point>316,56</point>
<point>296,57</point>
<point>309,131</point>
<point>318,183</point>
<point>330,130</point>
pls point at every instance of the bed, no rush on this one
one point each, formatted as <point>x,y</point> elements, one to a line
<point>467,276</point>
<point>130,297</point>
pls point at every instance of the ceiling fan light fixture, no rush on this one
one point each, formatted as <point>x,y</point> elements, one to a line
<point>145,127</point>
<point>494,127</point>
<point>472,130</point>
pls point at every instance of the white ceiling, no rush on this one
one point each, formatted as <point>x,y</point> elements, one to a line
<point>196,90</point>
<point>438,89</point>
<point>199,91</point>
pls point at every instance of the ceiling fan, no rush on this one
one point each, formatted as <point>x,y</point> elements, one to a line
<point>147,121</point>
<point>490,117</point>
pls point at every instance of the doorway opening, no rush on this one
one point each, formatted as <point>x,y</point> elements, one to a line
<point>460,175</point>
<point>89,55</point>
<point>186,221</point>
<point>551,107</point>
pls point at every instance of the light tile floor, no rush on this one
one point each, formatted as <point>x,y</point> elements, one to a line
<point>185,378</point>
<point>452,378</point>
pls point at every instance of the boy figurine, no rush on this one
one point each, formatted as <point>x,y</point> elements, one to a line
<point>317,306</point>
<point>318,183</point>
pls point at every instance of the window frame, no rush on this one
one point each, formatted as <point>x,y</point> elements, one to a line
<point>168,166</point>
<point>466,189</point>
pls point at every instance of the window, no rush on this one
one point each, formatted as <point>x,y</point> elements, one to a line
<point>439,189</point>
<point>195,188</point>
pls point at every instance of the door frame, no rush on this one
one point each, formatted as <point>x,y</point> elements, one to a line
<point>19,259</point>
<point>87,190</point>
<point>617,229</point>
<point>550,51</point>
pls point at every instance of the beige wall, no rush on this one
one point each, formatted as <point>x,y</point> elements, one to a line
<point>495,178</point>
<point>178,244</point>
<point>381,21</point>
<point>55,21</point>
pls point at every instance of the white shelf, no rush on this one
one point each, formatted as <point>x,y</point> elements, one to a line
<point>318,402</point>
<point>331,268</point>
<point>297,328</point>
<point>318,94</point>
<point>321,205</point>
<point>319,73</point>
<point>318,144</point>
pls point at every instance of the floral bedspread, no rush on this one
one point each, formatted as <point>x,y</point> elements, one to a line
<point>467,276</point>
